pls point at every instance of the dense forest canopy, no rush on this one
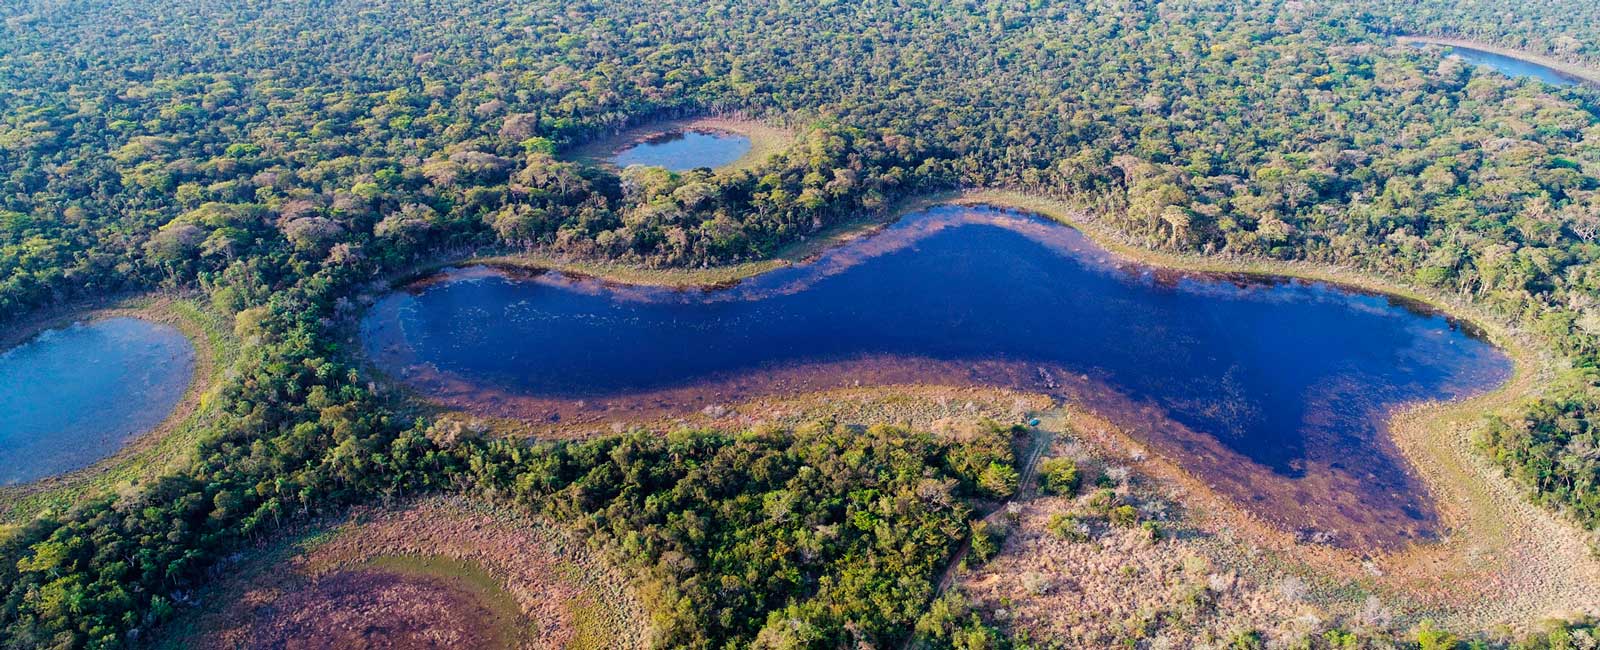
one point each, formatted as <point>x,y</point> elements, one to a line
<point>279,156</point>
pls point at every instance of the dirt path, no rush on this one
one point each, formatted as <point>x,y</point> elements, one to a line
<point>1037,445</point>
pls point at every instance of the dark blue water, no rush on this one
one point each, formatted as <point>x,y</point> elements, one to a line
<point>74,395</point>
<point>1510,66</point>
<point>1275,390</point>
<point>684,150</point>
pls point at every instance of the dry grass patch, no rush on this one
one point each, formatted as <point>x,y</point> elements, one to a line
<point>442,572</point>
<point>1068,575</point>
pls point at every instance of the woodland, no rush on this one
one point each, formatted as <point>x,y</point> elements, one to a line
<point>279,159</point>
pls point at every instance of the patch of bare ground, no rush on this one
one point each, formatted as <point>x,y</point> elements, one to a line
<point>365,608</point>
<point>1066,574</point>
<point>927,407</point>
<point>443,572</point>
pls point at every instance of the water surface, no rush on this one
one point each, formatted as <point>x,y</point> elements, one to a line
<point>1273,391</point>
<point>1509,66</point>
<point>685,150</point>
<point>74,395</point>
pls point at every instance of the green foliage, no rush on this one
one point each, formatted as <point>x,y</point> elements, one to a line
<point>1247,640</point>
<point>755,538</point>
<point>1068,527</point>
<point>1152,531</point>
<point>1059,476</point>
<point>280,170</point>
<point>1341,640</point>
<point>1555,447</point>
<point>1125,516</point>
<point>950,624</point>
<point>1430,637</point>
<point>986,541</point>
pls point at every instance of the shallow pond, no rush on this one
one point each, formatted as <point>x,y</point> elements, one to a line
<point>74,395</point>
<point>685,150</point>
<point>1511,66</point>
<point>1273,391</point>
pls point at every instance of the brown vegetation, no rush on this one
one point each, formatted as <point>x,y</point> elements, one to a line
<point>1217,569</point>
<point>442,572</point>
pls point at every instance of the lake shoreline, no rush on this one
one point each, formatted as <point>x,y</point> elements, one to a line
<point>765,140</point>
<point>142,456</point>
<point>1338,516</point>
<point>1581,73</point>
<point>1489,525</point>
<point>1059,211</point>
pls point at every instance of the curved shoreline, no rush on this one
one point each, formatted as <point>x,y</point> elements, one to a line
<point>765,140</point>
<point>143,455</point>
<point>1336,513</point>
<point>1578,72</point>
<point>1490,529</point>
<point>558,592</point>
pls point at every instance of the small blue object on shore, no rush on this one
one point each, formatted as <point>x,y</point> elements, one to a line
<point>1034,422</point>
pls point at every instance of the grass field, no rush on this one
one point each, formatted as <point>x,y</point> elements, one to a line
<point>524,582</point>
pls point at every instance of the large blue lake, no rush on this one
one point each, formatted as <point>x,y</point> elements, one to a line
<point>685,150</point>
<point>74,395</point>
<point>1275,392</point>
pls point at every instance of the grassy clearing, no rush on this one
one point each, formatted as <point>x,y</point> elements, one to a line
<point>765,140</point>
<point>1582,72</point>
<point>467,576</point>
<point>544,587</point>
<point>157,450</point>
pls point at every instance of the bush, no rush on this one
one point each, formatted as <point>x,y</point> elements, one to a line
<point>1433,638</point>
<point>986,541</point>
<point>1152,531</point>
<point>1059,476</point>
<point>1247,640</point>
<point>1124,516</point>
<point>1068,527</point>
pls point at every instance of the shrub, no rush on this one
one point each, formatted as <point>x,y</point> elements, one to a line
<point>1059,476</point>
<point>1247,640</point>
<point>1068,527</point>
<point>1125,516</point>
<point>986,541</point>
<point>1433,638</point>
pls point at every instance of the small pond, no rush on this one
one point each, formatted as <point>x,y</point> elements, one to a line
<point>1510,66</point>
<point>1273,391</point>
<point>685,150</point>
<point>76,394</point>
